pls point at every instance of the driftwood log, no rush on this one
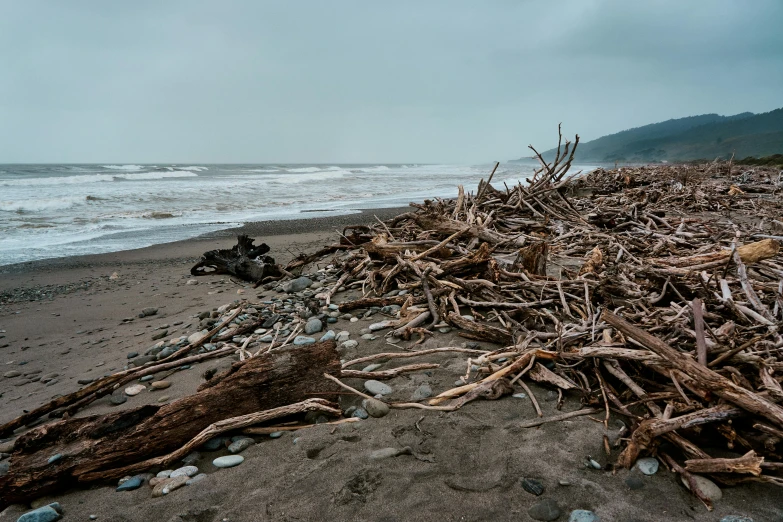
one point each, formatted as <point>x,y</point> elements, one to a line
<point>110,446</point>
<point>243,260</point>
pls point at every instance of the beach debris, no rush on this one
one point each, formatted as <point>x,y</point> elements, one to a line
<point>244,260</point>
<point>260,389</point>
<point>649,292</point>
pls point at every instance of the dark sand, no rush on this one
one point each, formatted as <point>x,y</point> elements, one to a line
<point>64,317</point>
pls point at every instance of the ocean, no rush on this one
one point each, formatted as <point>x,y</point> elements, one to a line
<point>65,210</point>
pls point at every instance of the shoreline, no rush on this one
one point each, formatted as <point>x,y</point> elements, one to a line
<point>188,249</point>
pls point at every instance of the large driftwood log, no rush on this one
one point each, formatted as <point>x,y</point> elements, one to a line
<point>750,253</point>
<point>106,446</point>
<point>243,260</point>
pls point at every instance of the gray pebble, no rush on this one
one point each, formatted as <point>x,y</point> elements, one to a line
<point>648,466</point>
<point>195,479</point>
<point>377,387</point>
<point>188,471</point>
<point>301,340</point>
<point>545,510</point>
<point>240,445</point>
<point>48,513</point>
<point>375,407</point>
<point>422,392</point>
<point>131,484</point>
<point>582,515</point>
<point>533,486</point>
<point>313,326</point>
<point>358,413</point>
<point>229,461</point>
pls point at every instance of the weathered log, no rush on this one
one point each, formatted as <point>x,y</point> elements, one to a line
<point>449,226</point>
<point>381,248</point>
<point>479,331</point>
<point>532,259</point>
<point>748,463</point>
<point>702,376</point>
<point>97,446</point>
<point>243,260</point>
<point>750,253</point>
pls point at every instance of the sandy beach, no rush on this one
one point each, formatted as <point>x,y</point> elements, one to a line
<point>74,319</point>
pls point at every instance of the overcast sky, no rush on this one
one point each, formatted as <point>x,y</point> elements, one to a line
<point>451,81</point>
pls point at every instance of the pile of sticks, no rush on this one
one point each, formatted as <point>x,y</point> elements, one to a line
<point>655,292</point>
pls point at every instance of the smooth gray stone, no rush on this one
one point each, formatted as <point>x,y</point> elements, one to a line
<point>545,510</point>
<point>301,340</point>
<point>583,515</point>
<point>342,336</point>
<point>147,378</point>
<point>328,336</point>
<point>422,392</point>
<point>648,466</point>
<point>84,381</point>
<point>118,397</point>
<point>166,473</point>
<point>240,445</point>
<point>708,487</point>
<point>736,518</point>
<point>297,285</point>
<point>371,367</point>
<point>215,443</point>
<point>313,326</point>
<point>4,467</point>
<point>189,471</point>
<point>349,344</point>
<point>375,408</point>
<point>48,513</point>
<point>377,387</point>
<point>333,307</point>
<point>131,484</point>
<point>275,434</point>
<point>195,479</point>
<point>359,413</point>
<point>229,461</point>
<point>533,486</point>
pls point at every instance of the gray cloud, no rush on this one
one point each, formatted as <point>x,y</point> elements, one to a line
<point>351,81</point>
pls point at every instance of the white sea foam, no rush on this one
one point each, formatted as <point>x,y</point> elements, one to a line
<point>306,169</point>
<point>124,167</point>
<point>41,204</point>
<point>378,168</point>
<point>318,175</point>
<point>194,168</point>
<point>95,178</point>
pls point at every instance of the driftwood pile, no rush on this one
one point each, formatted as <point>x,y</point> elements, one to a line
<point>653,292</point>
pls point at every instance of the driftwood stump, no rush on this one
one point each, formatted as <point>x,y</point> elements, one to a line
<point>243,260</point>
<point>99,447</point>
